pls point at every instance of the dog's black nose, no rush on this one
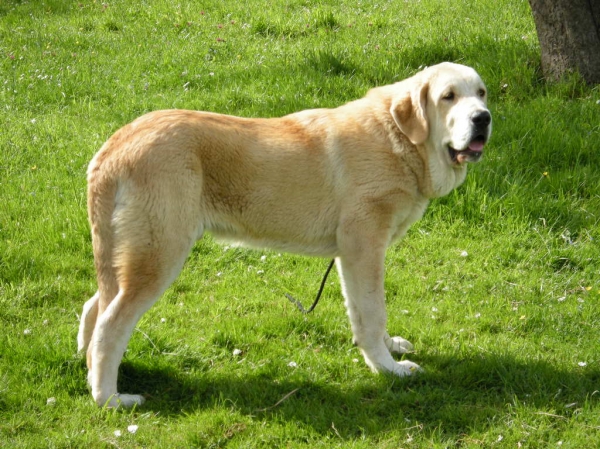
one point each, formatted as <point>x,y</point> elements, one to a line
<point>481,119</point>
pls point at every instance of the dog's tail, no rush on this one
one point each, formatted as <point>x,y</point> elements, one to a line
<point>102,191</point>
<point>102,194</point>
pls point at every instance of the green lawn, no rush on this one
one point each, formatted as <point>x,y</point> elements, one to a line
<point>497,287</point>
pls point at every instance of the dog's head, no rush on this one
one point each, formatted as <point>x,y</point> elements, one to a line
<point>445,108</point>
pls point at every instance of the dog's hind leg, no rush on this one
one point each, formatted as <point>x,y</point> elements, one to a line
<point>154,225</point>
<point>144,273</point>
<point>107,290</point>
<point>87,323</point>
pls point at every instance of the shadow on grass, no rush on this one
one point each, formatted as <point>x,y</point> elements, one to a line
<point>456,396</point>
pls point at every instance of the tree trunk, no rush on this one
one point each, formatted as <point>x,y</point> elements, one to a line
<point>569,34</point>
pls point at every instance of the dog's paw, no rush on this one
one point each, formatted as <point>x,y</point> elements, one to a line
<point>406,368</point>
<point>129,400</point>
<point>123,400</point>
<point>398,345</point>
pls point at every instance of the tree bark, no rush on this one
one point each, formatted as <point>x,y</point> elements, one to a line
<point>569,34</point>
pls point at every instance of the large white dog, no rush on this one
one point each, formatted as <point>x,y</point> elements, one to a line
<point>342,183</point>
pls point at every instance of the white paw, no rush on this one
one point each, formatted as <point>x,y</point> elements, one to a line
<point>406,368</point>
<point>123,400</point>
<point>129,400</point>
<point>398,345</point>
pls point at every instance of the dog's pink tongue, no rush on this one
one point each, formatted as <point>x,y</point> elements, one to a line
<point>476,146</point>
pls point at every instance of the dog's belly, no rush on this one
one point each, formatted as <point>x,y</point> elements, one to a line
<point>321,246</point>
<point>312,249</point>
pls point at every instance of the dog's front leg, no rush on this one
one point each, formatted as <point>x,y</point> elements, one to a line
<point>362,275</point>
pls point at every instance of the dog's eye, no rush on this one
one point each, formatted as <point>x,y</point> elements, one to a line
<point>448,96</point>
<point>481,93</point>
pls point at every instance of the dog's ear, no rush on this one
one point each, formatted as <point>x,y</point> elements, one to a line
<point>408,111</point>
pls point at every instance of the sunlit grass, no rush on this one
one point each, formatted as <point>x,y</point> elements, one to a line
<point>497,286</point>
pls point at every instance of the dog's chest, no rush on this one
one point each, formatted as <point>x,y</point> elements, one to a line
<point>406,217</point>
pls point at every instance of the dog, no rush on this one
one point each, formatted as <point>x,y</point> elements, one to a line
<point>341,183</point>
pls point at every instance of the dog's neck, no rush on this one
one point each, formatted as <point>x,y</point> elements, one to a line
<point>438,177</point>
<point>433,174</point>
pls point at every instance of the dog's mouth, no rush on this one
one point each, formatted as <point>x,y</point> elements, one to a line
<point>472,153</point>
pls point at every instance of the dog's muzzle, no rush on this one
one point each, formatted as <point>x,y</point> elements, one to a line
<point>474,150</point>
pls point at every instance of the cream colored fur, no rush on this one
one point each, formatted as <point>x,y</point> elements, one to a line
<point>342,183</point>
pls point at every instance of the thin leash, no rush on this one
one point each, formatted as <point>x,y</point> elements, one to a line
<point>315,302</point>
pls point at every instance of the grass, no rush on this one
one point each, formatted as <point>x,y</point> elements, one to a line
<point>497,287</point>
